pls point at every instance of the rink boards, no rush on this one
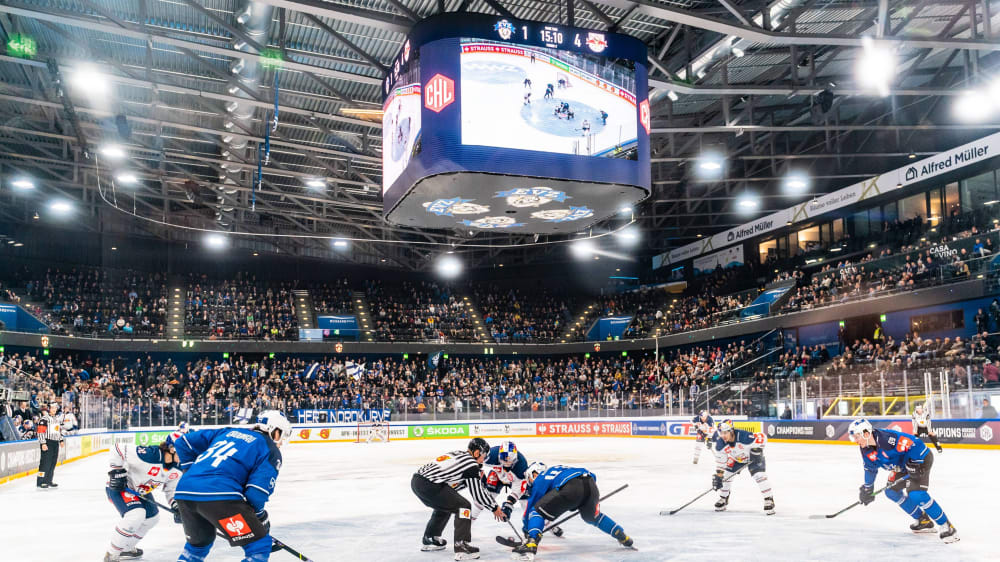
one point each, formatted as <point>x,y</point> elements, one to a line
<point>20,459</point>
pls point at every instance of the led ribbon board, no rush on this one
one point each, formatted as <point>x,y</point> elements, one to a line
<point>496,124</point>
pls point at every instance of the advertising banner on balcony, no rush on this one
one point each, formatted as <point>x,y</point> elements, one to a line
<point>730,257</point>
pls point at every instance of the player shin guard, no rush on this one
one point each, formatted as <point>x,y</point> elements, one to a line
<point>258,551</point>
<point>930,507</point>
<point>535,524</point>
<point>194,553</point>
<point>607,524</point>
<point>128,531</point>
<point>762,482</point>
<point>697,451</point>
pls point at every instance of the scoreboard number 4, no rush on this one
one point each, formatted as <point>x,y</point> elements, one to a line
<point>576,40</point>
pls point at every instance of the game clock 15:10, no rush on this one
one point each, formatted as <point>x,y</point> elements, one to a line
<point>551,36</point>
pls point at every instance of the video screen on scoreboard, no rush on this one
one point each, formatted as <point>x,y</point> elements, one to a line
<point>547,100</point>
<point>401,123</point>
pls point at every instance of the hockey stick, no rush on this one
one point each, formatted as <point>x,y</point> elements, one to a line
<point>510,543</point>
<point>703,494</point>
<point>277,544</point>
<point>852,506</point>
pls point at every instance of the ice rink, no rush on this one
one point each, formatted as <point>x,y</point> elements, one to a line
<point>351,501</point>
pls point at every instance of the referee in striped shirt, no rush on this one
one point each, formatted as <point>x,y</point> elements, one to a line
<point>435,485</point>
<point>50,438</point>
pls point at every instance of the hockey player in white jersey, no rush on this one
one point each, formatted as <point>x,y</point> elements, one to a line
<point>705,426</point>
<point>922,425</point>
<point>142,470</point>
<point>734,449</point>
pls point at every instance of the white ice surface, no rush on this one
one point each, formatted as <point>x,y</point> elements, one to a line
<point>353,502</point>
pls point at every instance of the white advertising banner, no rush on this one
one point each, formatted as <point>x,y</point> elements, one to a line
<point>900,178</point>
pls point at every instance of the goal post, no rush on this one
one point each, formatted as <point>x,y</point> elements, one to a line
<point>372,431</point>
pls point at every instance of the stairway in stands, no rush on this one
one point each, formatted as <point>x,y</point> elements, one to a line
<point>482,334</point>
<point>582,322</point>
<point>305,315</point>
<point>176,294</point>
<point>365,321</point>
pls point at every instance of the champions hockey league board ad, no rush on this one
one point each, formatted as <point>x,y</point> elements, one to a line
<point>494,124</point>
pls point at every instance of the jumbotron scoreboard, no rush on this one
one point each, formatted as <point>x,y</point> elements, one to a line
<point>496,124</point>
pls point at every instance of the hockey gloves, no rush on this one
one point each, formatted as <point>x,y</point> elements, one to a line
<point>717,480</point>
<point>262,516</point>
<point>866,494</point>
<point>507,508</point>
<point>176,511</point>
<point>898,481</point>
<point>117,478</point>
<point>916,472</point>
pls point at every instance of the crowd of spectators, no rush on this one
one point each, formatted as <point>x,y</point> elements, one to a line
<point>243,308</point>
<point>101,302</point>
<point>513,315</point>
<point>332,296</point>
<point>424,311</point>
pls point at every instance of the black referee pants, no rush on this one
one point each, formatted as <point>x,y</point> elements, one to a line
<point>47,462</point>
<point>445,501</point>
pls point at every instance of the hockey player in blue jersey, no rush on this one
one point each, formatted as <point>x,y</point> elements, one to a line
<point>556,490</point>
<point>705,426</point>
<point>909,461</point>
<point>734,449</point>
<point>504,468</point>
<point>229,474</point>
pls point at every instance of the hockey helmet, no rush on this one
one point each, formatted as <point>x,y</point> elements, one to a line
<point>725,425</point>
<point>858,428</point>
<point>534,471</point>
<point>270,420</point>
<point>479,444</point>
<point>183,427</point>
<point>507,454</point>
<point>704,414</point>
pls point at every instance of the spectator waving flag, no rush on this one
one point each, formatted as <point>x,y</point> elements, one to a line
<point>311,371</point>
<point>434,359</point>
<point>354,370</point>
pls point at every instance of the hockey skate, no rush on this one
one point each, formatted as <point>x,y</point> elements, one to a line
<point>948,533</point>
<point>922,525</point>
<point>525,551</point>
<point>131,554</point>
<point>623,539</point>
<point>433,543</point>
<point>465,551</point>
<point>769,505</point>
<point>722,503</point>
<point>108,557</point>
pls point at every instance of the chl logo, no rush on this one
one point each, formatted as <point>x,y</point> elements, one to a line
<point>439,93</point>
<point>644,116</point>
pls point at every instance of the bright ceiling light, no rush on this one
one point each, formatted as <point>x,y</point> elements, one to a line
<point>127,178</point>
<point>796,182</point>
<point>61,207</point>
<point>738,53</point>
<point>876,67</point>
<point>973,106</point>
<point>672,95</point>
<point>710,162</point>
<point>216,241</point>
<point>315,183</point>
<point>88,80</point>
<point>23,183</point>
<point>748,202</point>
<point>113,151</point>
<point>582,249</point>
<point>338,243</point>
<point>628,237</point>
<point>449,267</point>
<point>625,210</point>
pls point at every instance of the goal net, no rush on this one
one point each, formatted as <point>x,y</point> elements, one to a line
<point>373,432</point>
<point>562,80</point>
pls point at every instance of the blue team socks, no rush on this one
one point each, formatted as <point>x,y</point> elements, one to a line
<point>918,503</point>
<point>194,553</point>
<point>535,525</point>
<point>606,524</point>
<point>259,550</point>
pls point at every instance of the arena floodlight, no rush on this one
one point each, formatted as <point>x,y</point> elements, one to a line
<point>448,267</point>
<point>672,95</point>
<point>315,183</point>
<point>876,67</point>
<point>625,210</point>
<point>628,237</point>
<point>61,207</point>
<point>710,164</point>
<point>973,106</point>
<point>113,151</point>
<point>127,178</point>
<point>216,241</point>
<point>582,249</point>
<point>748,202</point>
<point>796,183</point>
<point>87,79</point>
<point>339,243</point>
<point>23,183</point>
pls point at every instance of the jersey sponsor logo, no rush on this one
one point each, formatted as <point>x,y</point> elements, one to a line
<point>235,526</point>
<point>129,497</point>
<point>465,513</point>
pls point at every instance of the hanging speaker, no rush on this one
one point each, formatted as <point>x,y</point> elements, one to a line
<point>825,99</point>
<point>124,131</point>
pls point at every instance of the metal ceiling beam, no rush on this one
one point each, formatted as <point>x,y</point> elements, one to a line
<point>136,31</point>
<point>739,15</point>
<point>740,129</point>
<point>370,18</point>
<point>761,90</point>
<point>347,43</point>
<point>758,35</point>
